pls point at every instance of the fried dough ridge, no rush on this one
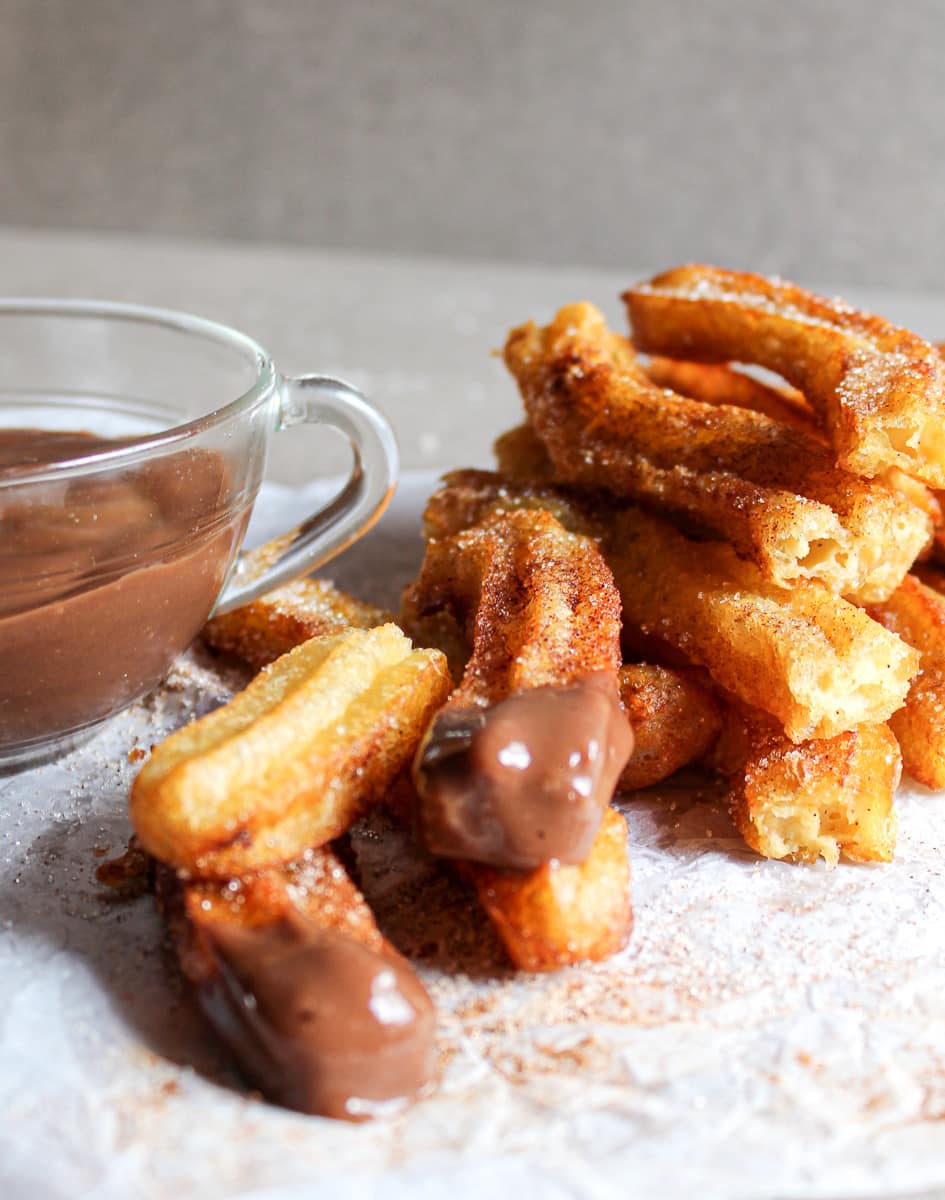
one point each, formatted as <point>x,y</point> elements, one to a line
<point>879,390</point>
<point>813,660</point>
<point>769,488</point>
<point>313,741</point>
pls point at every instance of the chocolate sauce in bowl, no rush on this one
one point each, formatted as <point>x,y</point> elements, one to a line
<point>526,780</point>
<point>318,1022</point>
<point>104,578</point>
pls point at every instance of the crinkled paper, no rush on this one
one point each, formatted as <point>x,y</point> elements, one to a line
<point>771,1030</point>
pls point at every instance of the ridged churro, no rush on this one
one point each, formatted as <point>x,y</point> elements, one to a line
<point>916,613</point>
<point>517,769</point>
<point>543,619</point>
<point>820,798</point>
<point>675,718</point>
<point>313,741</point>
<point>816,662</point>
<point>277,622</point>
<point>879,390</point>
<point>767,487</point>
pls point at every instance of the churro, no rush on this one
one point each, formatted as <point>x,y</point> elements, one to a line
<point>878,390</point>
<point>519,765</point>
<point>516,772</point>
<point>277,622</point>
<point>916,612</point>
<point>820,798</point>
<point>319,1011</point>
<point>767,487</point>
<point>313,741</point>
<point>675,718</point>
<point>816,662</point>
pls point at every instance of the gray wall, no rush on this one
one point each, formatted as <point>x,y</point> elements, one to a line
<point>801,137</point>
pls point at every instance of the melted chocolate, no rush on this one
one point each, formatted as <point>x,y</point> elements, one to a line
<point>103,578</point>
<point>318,1022</point>
<point>524,781</point>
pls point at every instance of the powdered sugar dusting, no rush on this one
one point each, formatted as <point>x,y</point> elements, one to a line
<point>760,1010</point>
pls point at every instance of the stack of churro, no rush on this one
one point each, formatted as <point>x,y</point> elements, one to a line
<point>675,565</point>
<point>764,534</point>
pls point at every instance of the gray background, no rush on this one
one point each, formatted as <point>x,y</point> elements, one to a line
<point>802,137</point>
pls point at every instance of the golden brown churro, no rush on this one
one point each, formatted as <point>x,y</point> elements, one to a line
<point>282,619</point>
<point>312,742</point>
<point>675,718</point>
<point>811,659</point>
<point>916,612</point>
<point>766,487</point>
<point>518,768</point>
<point>820,798</point>
<point>879,390</point>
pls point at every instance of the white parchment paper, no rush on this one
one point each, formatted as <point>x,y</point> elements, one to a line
<point>771,1031</point>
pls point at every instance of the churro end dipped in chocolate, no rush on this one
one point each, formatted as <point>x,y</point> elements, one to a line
<point>319,1012</point>
<point>526,780</point>
<point>319,1022</point>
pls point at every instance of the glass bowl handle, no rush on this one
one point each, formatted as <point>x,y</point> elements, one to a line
<point>319,400</point>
